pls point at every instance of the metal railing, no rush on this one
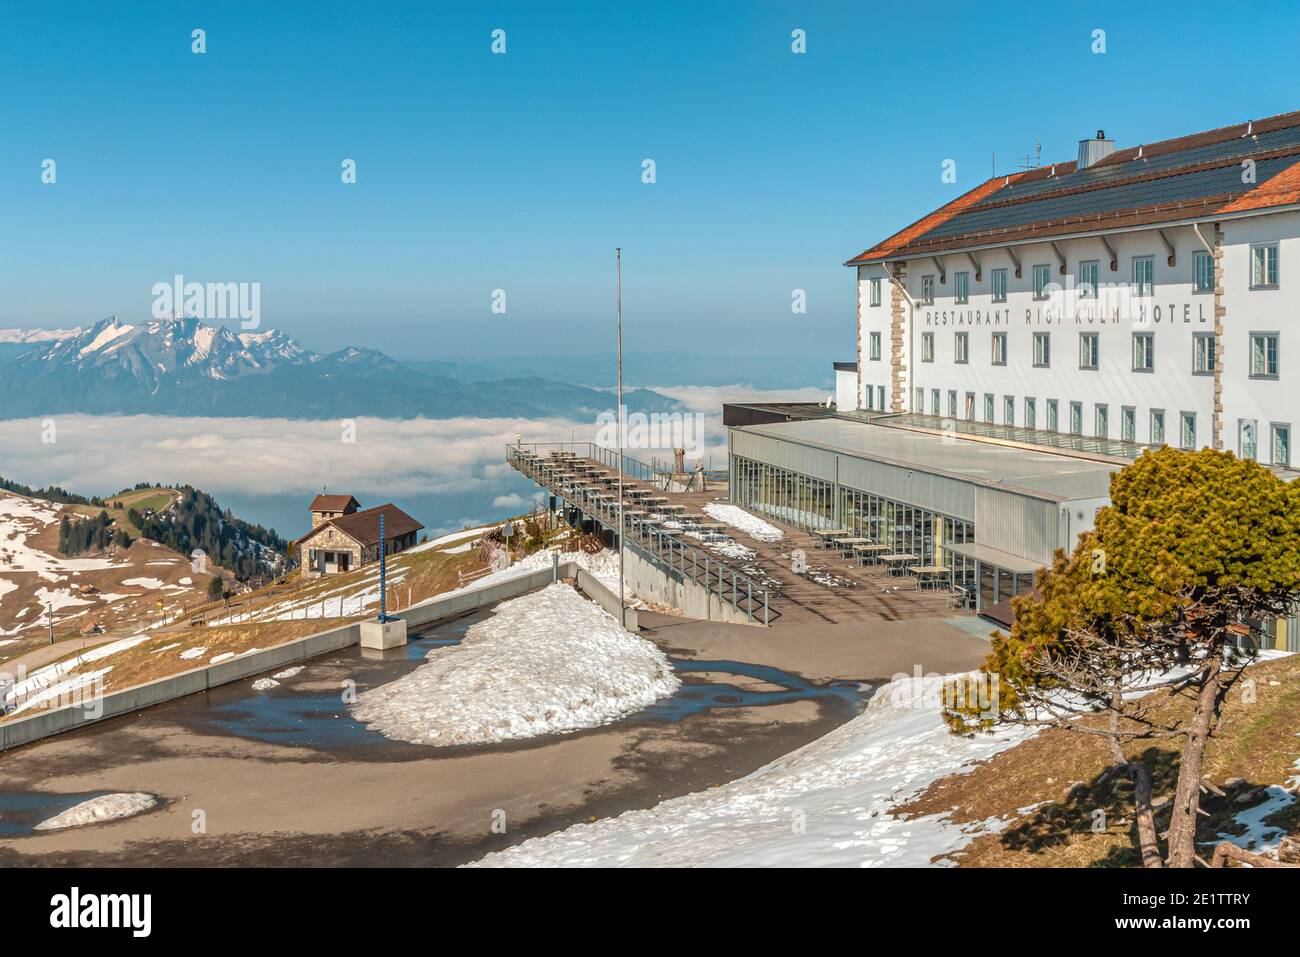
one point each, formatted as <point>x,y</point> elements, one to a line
<point>734,587</point>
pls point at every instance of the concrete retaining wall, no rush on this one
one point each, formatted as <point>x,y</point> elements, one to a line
<point>651,582</point>
<point>46,723</point>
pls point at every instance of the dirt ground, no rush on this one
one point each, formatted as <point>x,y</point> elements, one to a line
<point>230,799</point>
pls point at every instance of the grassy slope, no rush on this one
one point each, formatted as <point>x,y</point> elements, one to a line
<point>1258,742</point>
<point>427,573</point>
<point>139,499</point>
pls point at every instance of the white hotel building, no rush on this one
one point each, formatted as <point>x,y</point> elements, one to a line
<point>1020,343</point>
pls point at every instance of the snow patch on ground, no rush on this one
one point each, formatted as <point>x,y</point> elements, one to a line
<point>544,663</point>
<point>189,654</point>
<point>829,803</point>
<point>289,672</point>
<point>143,582</point>
<point>265,684</point>
<point>106,807</point>
<point>742,521</point>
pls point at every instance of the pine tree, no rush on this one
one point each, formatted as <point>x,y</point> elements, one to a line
<point>1194,552</point>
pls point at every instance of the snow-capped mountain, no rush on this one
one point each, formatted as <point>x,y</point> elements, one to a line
<point>35,335</point>
<point>161,349</point>
<point>183,366</point>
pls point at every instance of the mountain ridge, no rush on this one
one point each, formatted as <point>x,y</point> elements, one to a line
<point>184,367</point>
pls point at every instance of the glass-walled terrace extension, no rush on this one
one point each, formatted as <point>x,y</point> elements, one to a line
<point>816,504</point>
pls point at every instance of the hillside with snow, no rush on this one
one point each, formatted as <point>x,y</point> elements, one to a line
<point>118,587</point>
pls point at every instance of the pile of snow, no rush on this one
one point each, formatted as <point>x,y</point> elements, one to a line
<point>830,803</point>
<point>106,807</point>
<point>544,663</point>
<point>265,684</point>
<point>289,672</point>
<point>741,520</point>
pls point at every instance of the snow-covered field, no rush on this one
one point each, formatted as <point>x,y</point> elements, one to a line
<point>742,521</point>
<point>106,807</point>
<point>830,803</point>
<point>545,663</point>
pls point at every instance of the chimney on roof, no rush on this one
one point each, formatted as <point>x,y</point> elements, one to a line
<point>1093,150</point>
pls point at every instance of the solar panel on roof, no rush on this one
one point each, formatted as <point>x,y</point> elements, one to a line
<point>1189,186</point>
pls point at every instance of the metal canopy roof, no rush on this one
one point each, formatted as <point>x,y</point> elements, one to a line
<point>1045,474</point>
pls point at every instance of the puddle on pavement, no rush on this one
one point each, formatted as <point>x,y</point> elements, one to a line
<point>319,719</point>
<point>21,812</point>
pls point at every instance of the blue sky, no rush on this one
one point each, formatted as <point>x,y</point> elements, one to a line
<point>523,171</point>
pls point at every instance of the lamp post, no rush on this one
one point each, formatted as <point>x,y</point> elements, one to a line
<point>618,304</point>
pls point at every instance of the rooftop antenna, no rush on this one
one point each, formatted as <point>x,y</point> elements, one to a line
<point>1036,160</point>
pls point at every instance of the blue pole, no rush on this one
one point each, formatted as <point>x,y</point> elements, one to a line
<point>383,572</point>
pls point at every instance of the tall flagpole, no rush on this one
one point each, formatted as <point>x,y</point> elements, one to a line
<point>618,300</point>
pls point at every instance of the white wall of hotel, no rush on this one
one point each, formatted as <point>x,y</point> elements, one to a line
<point>1183,312</point>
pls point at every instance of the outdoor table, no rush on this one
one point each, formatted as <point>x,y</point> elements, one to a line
<point>928,574</point>
<point>846,543</point>
<point>897,561</point>
<point>826,534</point>
<point>870,553</point>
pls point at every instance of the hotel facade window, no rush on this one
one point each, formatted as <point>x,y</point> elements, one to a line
<point>1202,353</point>
<point>1157,426</point>
<point>1042,276</point>
<point>961,347</point>
<point>873,292</point>
<point>988,407</point>
<point>1202,271</point>
<point>970,406</point>
<point>1263,355</point>
<point>1053,415</point>
<point>934,403</point>
<point>1144,275</point>
<point>952,403</point>
<point>1128,423</point>
<point>999,285</point>
<point>1144,352</point>
<point>999,348</point>
<point>1031,414</point>
<point>1042,350</point>
<point>880,398</point>
<point>920,399</point>
<point>1089,349</point>
<point>1102,420</point>
<point>927,347</point>
<point>1008,410</point>
<point>927,290</point>
<point>1248,439</point>
<point>1263,266</point>
<point>961,287</point>
<point>1187,430</point>
<point>1089,271</point>
<point>1281,444</point>
<point>1076,418</point>
<point>873,347</point>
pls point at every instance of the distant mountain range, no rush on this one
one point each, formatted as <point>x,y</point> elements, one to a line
<point>184,367</point>
<point>651,369</point>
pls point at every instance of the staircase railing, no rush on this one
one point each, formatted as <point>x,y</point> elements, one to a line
<point>731,586</point>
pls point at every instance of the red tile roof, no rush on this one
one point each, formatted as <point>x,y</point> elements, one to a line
<point>900,240</point>
<point>363,527</point>
<point>1108,195</point>
<point>332,503</point>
